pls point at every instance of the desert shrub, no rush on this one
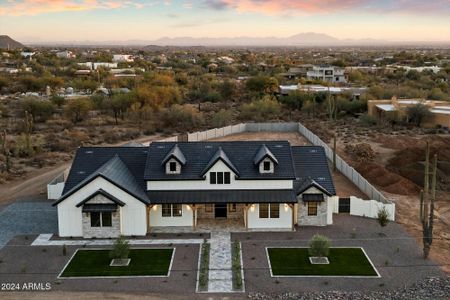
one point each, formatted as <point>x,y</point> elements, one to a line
<point>418,113</point>
<point>260,110</point>
<point>221,118</point>
<point>182,116</point>
<point>41,110</point>
<point>383,216</point>
<point>367,120</point>
<point>77,109</point>
<point>319,245</point>
<point>121,249</point>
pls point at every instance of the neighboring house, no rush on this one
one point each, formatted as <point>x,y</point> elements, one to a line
<point>95,65</point>
<point>396,109</point>
<point>327,73</point>
<point>355,91</point>
<point>130,190</point>
<point>65,54</point>
<point>299,71</point>
<point>123,58</point>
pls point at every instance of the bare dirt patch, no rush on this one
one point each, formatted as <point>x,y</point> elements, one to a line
<point>294,138</point>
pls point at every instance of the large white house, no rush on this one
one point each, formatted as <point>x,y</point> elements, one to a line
<point>327,73</point>
<point>112,191</point>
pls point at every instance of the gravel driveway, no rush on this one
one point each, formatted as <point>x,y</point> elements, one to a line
<point>27,218</point>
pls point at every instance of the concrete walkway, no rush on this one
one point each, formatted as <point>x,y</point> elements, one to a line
<point>44,240</point>
<point>220,278</point>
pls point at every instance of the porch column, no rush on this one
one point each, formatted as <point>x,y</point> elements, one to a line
<point>292,206</point>
<point>149,208</point>
<point>246,216</point>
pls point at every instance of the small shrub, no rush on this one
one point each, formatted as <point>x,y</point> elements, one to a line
<point>121,249</point>
<point>383,216</point>
<point>319,245</point>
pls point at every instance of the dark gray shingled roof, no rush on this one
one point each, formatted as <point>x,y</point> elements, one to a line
<point>311,167</point>
<point>123,166</point>
<point>263,153</point>
<point>222,196</point>
<point>199,154</point>
<point>175,153</point>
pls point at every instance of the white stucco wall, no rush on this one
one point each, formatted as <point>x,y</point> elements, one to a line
<point>133,214</point>
<point>205,185</point>
<point>156,218</point>
<point>54,191</point>
<point>369,208</point>
<point>284,221</point>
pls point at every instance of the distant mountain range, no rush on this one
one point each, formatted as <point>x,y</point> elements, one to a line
<point>8,43</point>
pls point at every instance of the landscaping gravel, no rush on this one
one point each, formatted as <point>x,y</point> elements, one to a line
<point>432,288</point>
<point>27,218</point>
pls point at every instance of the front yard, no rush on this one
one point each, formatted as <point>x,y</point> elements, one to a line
<point>343,262</point>
<point>96,263</point>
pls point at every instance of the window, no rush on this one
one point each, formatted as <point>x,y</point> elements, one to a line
<point>227,178</point>
<point>267,166</point>
<point>269,210</point>
<point>208,207</point>
<point>212,177</point>
<point>172,210</point>
<point>232,207</point>
<point>312,208</point>
<point>173,166</point>
<point>274,210</point>
<point>219,178</point>
<point>166,210</point>
<point>101,219</point>
<point>177,210</point>
<point>95,219</point>
<point>263,211</point>
<point>106,219</point>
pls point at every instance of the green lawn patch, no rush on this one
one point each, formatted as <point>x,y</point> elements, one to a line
<point>236,266</point>
<point>144,262</point>
<point>343,262</point>
<point>204,267</point>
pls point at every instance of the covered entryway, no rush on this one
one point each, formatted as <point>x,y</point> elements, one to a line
<point>220,210</point>
<point>344,205</point>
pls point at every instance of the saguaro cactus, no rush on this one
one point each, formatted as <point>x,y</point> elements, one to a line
<point>427,199</point>
<point>334,153</point>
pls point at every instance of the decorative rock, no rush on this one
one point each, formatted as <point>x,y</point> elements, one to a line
<point>120,262</point>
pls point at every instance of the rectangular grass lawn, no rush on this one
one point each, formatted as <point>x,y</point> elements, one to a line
<point>343,262</point>
<point>144,262</point>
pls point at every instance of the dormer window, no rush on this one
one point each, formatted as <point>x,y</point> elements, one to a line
<point>173,167</point>
<point>266,166</point>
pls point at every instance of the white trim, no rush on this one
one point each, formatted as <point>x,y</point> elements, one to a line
<point>324,276</point>
<point>198,270</point>
<point>106,277</point>
<point>242,270</point>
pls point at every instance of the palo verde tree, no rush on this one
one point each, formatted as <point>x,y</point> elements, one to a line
<point>427,198</point>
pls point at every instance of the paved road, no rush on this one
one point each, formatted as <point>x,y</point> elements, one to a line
<point>27,218</point>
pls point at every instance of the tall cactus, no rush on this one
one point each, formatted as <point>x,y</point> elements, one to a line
<point>334,153</point>
<point>427,199</point>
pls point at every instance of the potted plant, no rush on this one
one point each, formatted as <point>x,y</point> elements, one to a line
<point>319,248</point>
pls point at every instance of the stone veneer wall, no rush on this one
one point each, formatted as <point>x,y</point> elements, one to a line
<point>202,214</point>
<point>302,211</point>
<point>101,232</point>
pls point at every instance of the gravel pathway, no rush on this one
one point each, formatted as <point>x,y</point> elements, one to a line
<point>27,218</point>
<point>220,278</point>
<point>433,288</point>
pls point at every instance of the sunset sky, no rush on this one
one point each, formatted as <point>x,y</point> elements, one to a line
<point>103,20</point>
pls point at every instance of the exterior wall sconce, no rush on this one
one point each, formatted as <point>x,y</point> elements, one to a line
<point>252,208</point>
<point>155,207</point>
<point>188,207</point>
<point>286,206</point>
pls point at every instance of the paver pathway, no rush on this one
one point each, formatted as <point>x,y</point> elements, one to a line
<point>220,278</point>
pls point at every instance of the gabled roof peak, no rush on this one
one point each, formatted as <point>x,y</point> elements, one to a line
<point>176,153</point>
<point>220,155</point>
<point>262,153</point>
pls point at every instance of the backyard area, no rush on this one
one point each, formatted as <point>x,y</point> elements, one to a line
<point>95,262</point>
<point>342,262</point>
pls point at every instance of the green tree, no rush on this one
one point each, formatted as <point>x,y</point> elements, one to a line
<point>319,246</point>
<point>77,109</point>
<point>58,100</point>
<point>418,113</point>
<point>40,110</point>
<point>119,104</point>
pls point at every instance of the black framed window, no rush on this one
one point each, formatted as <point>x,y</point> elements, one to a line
<point>274,210</point>
<point>263,210</point>
<point>312,208</point>
<point>166,210</point>
<point>173,166</point>
<point>106,219</point>
<point>266,166</point>
<point>95,219</point>
<point>212,178</point>
<point>227,179</point>
<point>219,177</point>
<point>177,210</point>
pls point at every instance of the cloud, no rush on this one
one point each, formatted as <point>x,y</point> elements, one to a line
<point>35,7</point>
<point>299,7</point>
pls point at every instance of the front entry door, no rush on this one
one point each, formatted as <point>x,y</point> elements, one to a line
<point>220,210</point>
